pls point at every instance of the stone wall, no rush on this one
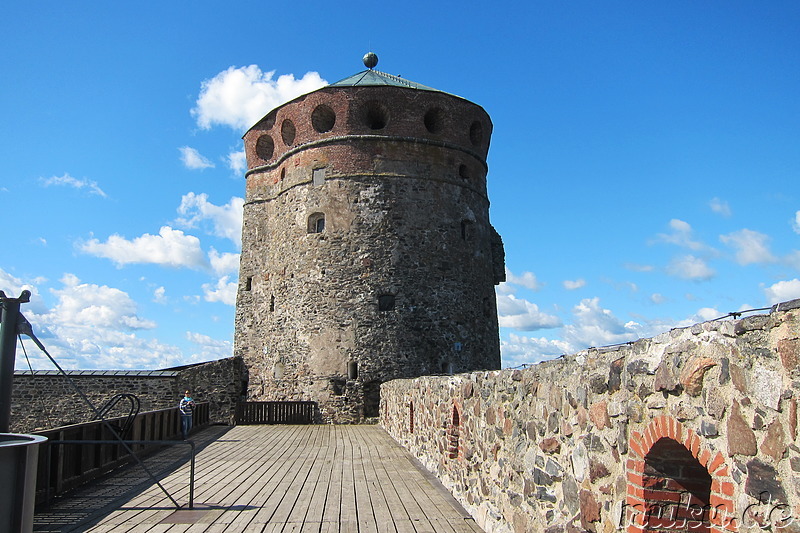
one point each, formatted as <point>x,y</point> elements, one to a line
<point>699,424</point>
<point>45,399</point>
<point>367,250</point>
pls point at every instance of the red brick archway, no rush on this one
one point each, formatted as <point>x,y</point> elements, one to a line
<point>676,482</point>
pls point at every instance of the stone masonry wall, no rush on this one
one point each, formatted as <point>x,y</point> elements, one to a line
<point>698,424</point>
<point>367,250</point>
<point>45,399</point>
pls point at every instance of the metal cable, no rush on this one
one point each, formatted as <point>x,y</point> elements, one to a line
<point>25,327</point>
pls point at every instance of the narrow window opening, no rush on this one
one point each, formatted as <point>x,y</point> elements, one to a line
<point>463,171</point>
<point>411,417</point>
<point>453,435</point>
<point>272,303</point>
<point>316,223</point>
<point>466,230</point>
<point>248,283</point>
<point>352,370</point>
<point>318,176</point>
<point>283,172</point>
<point>386,302</point>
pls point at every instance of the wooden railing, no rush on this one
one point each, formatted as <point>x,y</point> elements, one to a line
<point>65,466</point>
<point>275,412</point>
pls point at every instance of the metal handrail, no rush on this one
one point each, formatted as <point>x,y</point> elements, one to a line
<point>145,442</point>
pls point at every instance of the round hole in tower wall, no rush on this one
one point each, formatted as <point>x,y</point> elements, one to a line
<point>265,147</point>
<point>288,132</point>
<point>323,118</point>
<point>476,133</point>
<point>376,115</point>
<point>434,118</point>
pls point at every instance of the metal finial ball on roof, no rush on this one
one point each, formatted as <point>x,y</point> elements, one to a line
<point>370,60</point>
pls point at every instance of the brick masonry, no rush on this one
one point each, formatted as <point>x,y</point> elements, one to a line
<point>698,424</point>
<point>45,399</point>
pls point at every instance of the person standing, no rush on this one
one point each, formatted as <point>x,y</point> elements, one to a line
<point>186,407</point>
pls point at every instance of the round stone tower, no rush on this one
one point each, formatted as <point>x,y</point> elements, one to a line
<point>367,252</point>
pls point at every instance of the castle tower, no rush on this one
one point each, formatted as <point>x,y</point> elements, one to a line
<point>367,252</point>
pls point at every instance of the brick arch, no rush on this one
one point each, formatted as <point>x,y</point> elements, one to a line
<point>672,470</point>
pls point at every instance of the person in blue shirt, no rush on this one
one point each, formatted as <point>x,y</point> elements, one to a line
<point>186,407</point>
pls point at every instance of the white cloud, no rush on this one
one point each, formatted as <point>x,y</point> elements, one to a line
<point>522,315</point>
<point>160,295</point>
<point>237,161</point>
<point>720,207</point>
<point>751,246</point>
<point>783,291</point>
<point>223,263</point>
<point>572,285</point>
<point>527,280</point>
<point>519,350</point>
<point>682,235</point>
<point>210,349</point>
<point>88,305</point>
<point>796,222</point>
<point>240,97</point>
<point>68,181</point>
<point>690,267</point>
<point>170,247</point>
<point>657,298</point>
<point>595,326</point>
<point>224,291</point>
<point>14,286</point>
<point>226,219</point>
<point>193,159</point>
<point>639,268</point>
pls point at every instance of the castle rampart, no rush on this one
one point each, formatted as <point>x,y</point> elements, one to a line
<point>693,430</point>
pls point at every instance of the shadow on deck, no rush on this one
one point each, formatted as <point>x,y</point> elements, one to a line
<point>269,479</point>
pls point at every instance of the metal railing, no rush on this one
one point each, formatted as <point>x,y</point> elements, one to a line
<point>275,412</point>
<point>76,454</point>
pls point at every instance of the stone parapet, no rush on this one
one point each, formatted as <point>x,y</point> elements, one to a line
<point>695,429</point>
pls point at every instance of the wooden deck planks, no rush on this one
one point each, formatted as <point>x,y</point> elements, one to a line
<point>265,479</point>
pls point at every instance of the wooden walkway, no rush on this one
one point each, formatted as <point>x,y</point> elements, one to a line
<point>270,479</point>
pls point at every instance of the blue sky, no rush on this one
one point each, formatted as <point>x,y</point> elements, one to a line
<point>643,170</point>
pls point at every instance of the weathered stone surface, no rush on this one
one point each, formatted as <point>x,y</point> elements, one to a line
<point>763,479</point>
<point>766,386</point>
<point>738,377</point>
<point>715,404</point>
<point>570,494</point>
<point>615,374</point>
<point>590,509</point>
<point>597,470</point>
<point>789,352</point>
<point>664,379</point>
<point>550,445</point>
<point>741,439</point>
<point>774,442</point>
<point>580,462</point>
<point>598,414</point>
<point>708,429</point>
<point>466,390</point>
<point>692,375</point>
